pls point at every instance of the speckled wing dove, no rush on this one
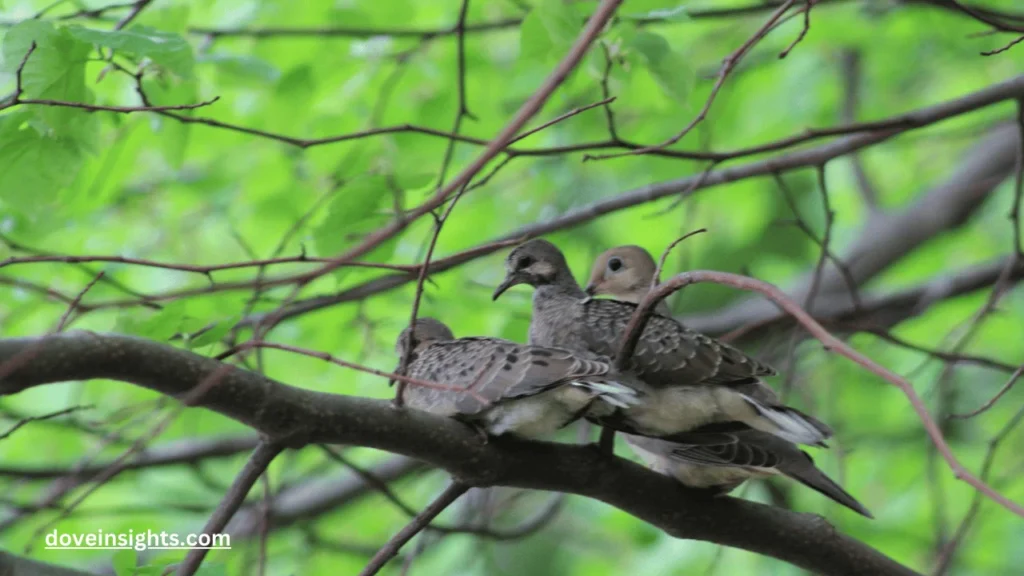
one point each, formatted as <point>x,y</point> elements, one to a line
<point>692,380</point>
<point>711,461</point>
<point>626,273</point>
<point>503,387</point>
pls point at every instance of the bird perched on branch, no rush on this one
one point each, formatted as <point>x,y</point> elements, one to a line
<point>502,387</point>
<point>691,380</point>
<point>719,462</point>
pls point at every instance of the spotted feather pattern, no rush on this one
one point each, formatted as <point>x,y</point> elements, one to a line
<point>498,370</point>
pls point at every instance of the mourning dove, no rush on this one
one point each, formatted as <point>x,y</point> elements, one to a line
<point>692,380</point>
<point>506,388</point>
<point>626,273</point>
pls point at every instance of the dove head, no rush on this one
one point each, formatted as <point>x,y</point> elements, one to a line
<point>537,263</point>
<point>624,273</point>
<point>424,331</point>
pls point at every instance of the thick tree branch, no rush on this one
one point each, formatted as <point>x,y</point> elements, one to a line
<point>297,417</point>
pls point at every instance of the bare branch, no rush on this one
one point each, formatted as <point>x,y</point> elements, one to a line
<point>259,461</point>
<point>301,416</point>
<point>390,550</point>
<point>1006,388</point>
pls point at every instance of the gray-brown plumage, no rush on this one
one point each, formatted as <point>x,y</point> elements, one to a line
<point>692,380</point>
<point>722,464</point>
<point>713,461</point>
<point>503,387</point>
<point>626,273</point>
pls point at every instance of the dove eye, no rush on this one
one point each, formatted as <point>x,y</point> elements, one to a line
<point>524,262</point>
<point>614,264</point>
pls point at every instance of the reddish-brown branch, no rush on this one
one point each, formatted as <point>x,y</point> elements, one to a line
<point>779,298</point>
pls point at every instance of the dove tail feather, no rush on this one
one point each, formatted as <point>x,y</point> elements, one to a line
<point>815,479</point>
<point>788,423</point>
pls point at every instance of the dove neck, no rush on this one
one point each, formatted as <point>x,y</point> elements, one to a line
<point>560,288</point>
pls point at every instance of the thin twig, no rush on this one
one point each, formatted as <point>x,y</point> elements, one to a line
<point>727,67</point>
<point>48,416</point>
<point>462,112</point>
<point>803,31</point>
<point>74,303</point>
<point>668,250</point>
<point>1006,388</point>
<point>391,548</point>
<point>826,236</point>
<point>247,477</point>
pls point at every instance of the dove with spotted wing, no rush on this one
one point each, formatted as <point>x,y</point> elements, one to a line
<point>718,462</point>
<point>503,387</point>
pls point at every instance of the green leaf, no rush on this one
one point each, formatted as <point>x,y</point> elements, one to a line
<point>54,71</point>
<point>214,333</point>
<point>560,20</point>
<point>35,163</point>
<point>534,40</point>
<point>124,562</point>
<point>167,49</point>
<point>172,18</point>
<point>550,27</point>
<point>671,71</point>
<point>652,46</point>
<point>168,90</point>
<point>248,68</point>
<point>161,325</point>
<point>351,214</point>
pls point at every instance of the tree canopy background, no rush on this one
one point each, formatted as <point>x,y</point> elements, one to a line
<point>145,146</point>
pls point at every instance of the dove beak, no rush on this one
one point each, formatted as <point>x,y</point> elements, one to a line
<point>591,289</point>
<point>511,280</point>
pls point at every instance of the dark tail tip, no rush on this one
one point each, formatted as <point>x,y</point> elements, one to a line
<point>817,480</point>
